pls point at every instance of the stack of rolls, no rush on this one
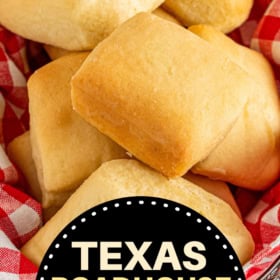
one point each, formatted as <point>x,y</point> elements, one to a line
<point>184,99</point>
<point>144,98</point>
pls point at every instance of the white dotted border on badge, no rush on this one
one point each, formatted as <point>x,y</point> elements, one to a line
<point>140,202</point>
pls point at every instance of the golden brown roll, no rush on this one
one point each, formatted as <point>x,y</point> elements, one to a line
<point>166,95</point>
<point>69,24</point>
<point>65,148</point>
<point>20,152</point>
<point>224,15</point>
<point>127,177</point>
<point>56,52</point>
<point>249,156</point>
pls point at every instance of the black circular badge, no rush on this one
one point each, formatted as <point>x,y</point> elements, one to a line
<point>140,238</point>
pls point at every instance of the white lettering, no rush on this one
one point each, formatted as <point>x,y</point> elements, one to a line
<point>138,255</point>
<point>167,254</point>
<point>201,260</point>
<point>105,256</point>
<point>84,246</point>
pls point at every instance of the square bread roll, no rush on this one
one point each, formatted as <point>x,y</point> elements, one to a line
<point>249,156</point>
<point>128,177</point>
<point>225,15</point>
<point>160,91</point>
<point>65,148</point>
<point>20,152</point>
<point>70,24</point>
<point>56,52</point>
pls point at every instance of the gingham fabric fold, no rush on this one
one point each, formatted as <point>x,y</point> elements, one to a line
<point>20,215</point>
<point>20,218</point>
<point>266,37</point>
<point>13,265</point>
<point>13,98</point>
<point>263,221</point>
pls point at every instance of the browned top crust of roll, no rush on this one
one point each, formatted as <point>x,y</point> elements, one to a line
<point>163,93</point>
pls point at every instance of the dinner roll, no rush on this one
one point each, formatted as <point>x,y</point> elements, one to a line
<point>249,156</point>
<point>166,95</point>
<point>65,148</point>
<point>69,24</point>
<point>224,15</point>
<point>127,177</point>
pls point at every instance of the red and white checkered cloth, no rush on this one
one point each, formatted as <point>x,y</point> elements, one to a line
<point>20,215</point>
<point>266,37</point>
<point>20,218</point>
<point>263,221</point>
